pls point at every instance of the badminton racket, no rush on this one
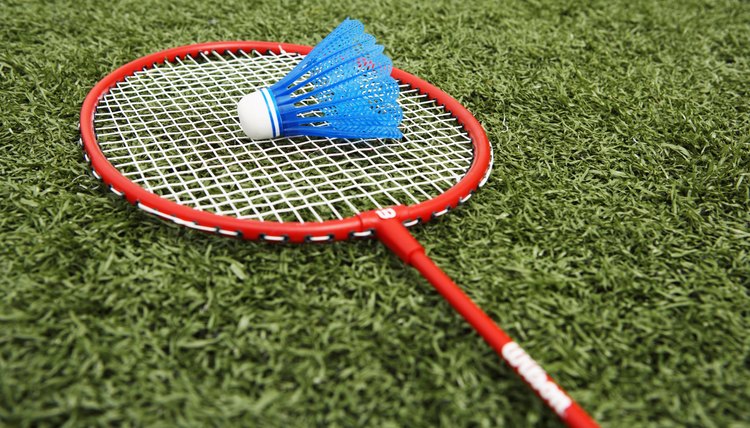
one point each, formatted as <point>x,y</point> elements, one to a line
<point>162,132</point>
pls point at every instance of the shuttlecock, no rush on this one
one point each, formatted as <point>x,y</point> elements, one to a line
<point>342,89</point>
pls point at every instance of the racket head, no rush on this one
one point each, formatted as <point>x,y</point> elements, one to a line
<point>302,230</point>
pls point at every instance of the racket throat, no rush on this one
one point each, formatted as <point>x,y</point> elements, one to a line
<point>389,229</point>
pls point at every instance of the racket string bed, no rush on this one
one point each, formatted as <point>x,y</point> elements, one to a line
<point>169,129</point>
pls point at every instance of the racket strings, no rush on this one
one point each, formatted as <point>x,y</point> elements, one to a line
<point>173,130</point>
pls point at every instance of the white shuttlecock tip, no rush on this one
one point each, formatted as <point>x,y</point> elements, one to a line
<point>259,115</point>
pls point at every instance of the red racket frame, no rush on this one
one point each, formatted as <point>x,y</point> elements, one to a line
<point>273,231</point>
<point>387,224</point>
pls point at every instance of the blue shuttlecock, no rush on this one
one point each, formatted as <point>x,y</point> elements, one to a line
<point>342,89</point>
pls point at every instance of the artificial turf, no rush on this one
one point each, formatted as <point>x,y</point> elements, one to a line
<point>611,241</point>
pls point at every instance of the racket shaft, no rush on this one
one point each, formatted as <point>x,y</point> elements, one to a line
<point>396,237</point>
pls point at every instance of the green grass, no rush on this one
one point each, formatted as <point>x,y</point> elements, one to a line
<point>612,239</point>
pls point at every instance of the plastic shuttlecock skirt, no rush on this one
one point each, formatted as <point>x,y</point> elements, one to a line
<point>341,89</point>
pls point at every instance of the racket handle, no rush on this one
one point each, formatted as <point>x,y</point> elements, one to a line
<point>396,237</point>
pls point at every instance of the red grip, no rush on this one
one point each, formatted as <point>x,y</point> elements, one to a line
<point>396,237</point>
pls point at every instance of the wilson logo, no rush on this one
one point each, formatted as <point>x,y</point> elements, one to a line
<point>386,213</point>
<point>535,376</point>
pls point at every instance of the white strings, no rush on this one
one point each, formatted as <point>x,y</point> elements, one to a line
<point>173,130</point>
